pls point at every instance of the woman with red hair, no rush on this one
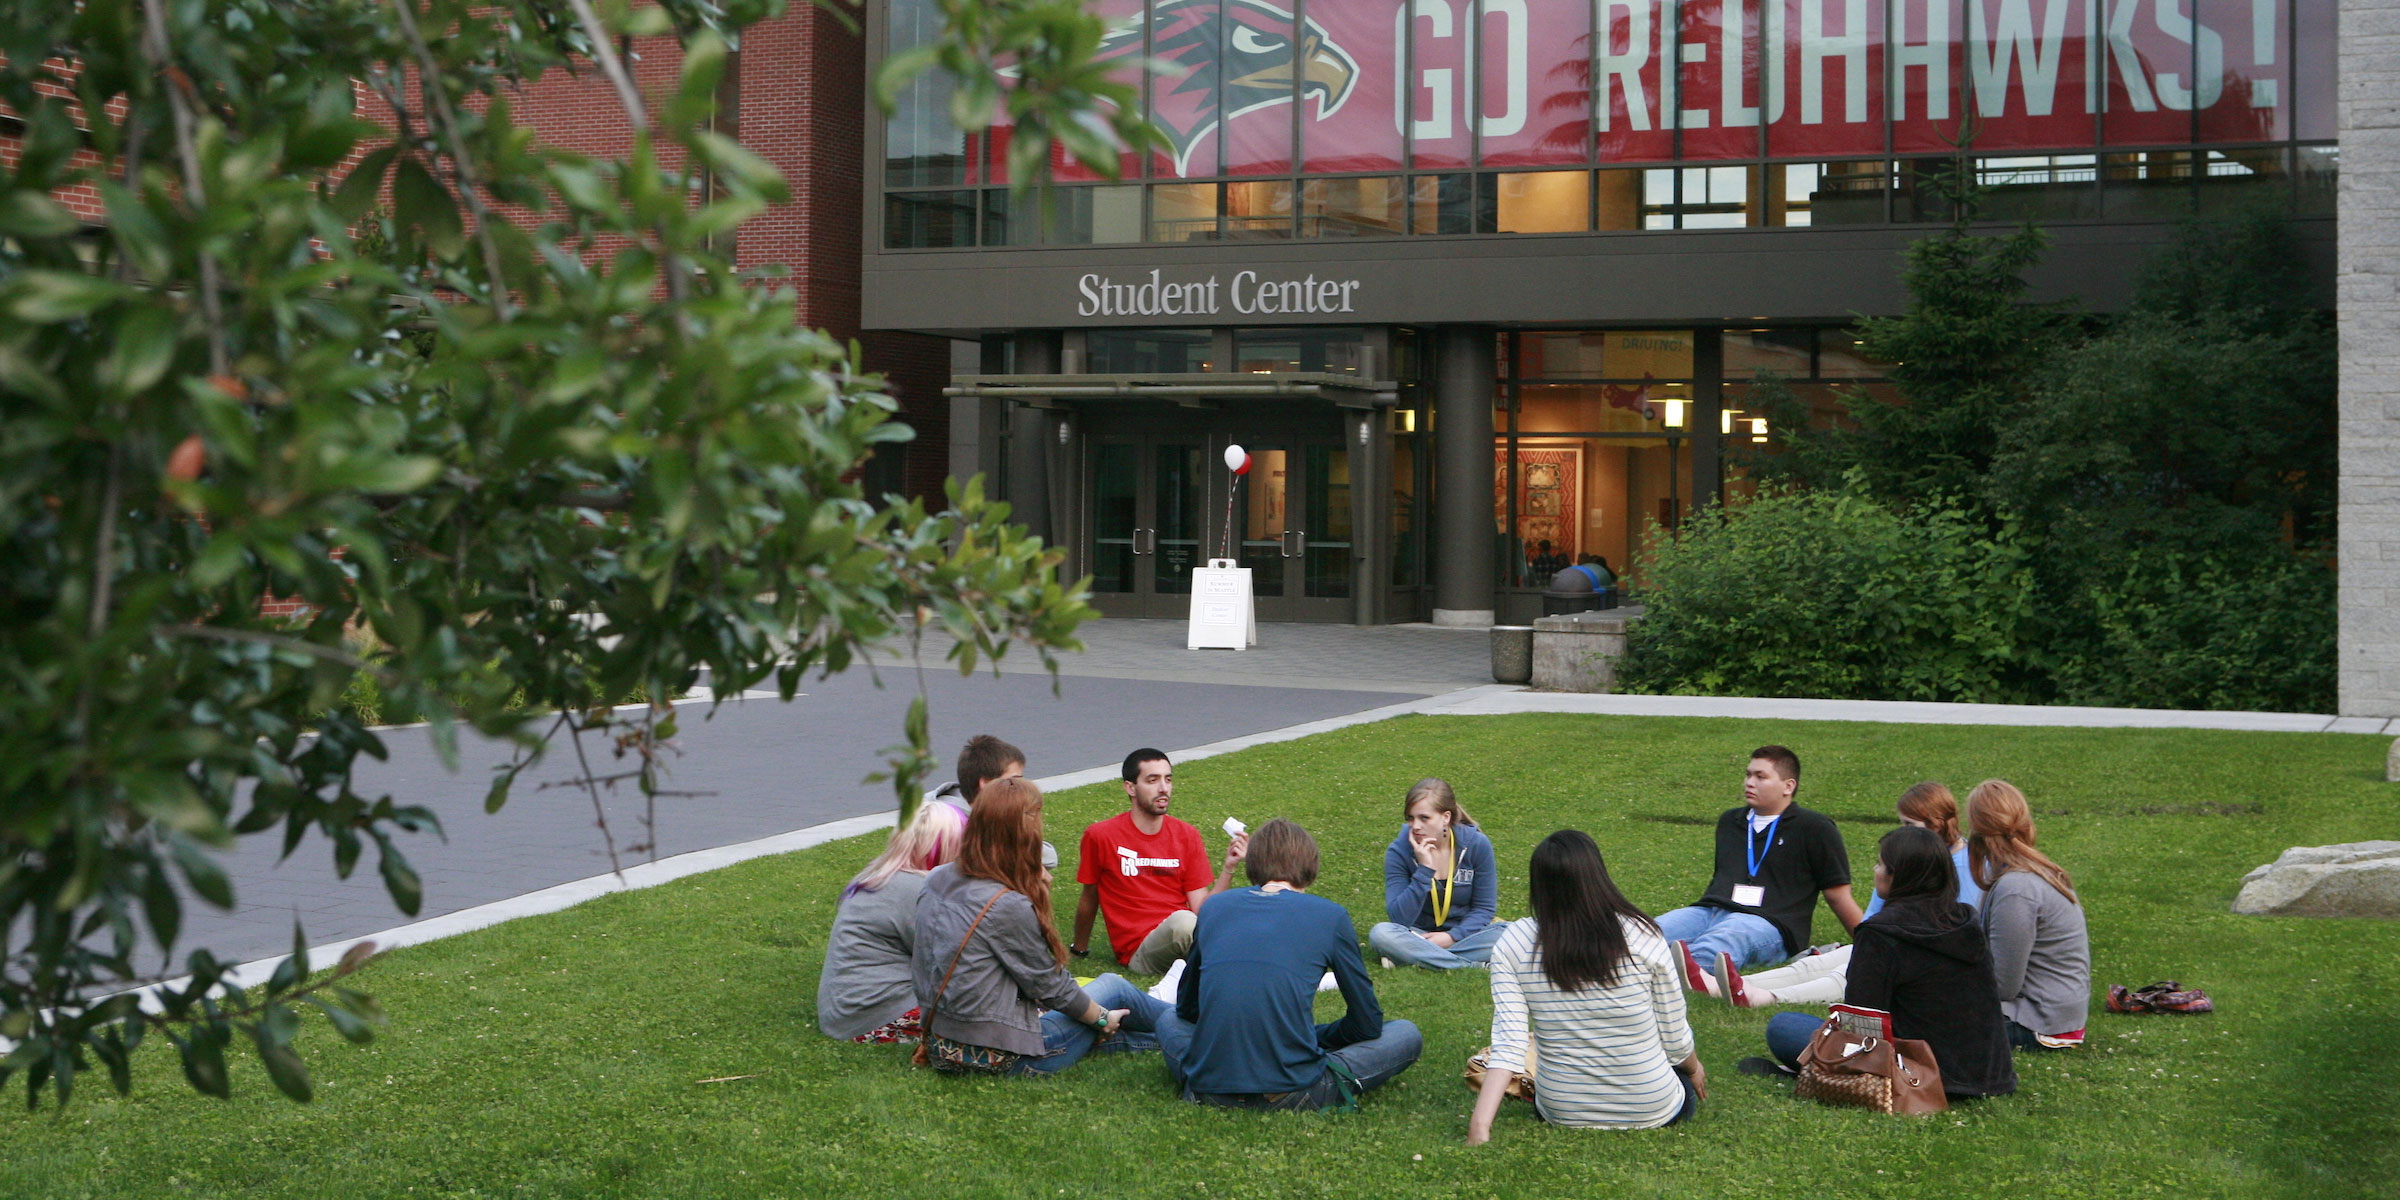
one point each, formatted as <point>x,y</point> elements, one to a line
<point>990,966</point>
<point>2041,949</point>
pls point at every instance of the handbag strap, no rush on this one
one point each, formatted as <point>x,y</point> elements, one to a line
<point>953,968</point>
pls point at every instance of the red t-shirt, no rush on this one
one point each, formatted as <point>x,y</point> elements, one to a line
<point>1143,880</point>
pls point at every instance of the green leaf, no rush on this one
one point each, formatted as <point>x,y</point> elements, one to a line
<point>400,879</point>
<point>162,906</point>
<point>30,214</point>
<point>346,1023</point>
<point>201,871</point>
<point>140,351</point>
<point>203,1062</point>
<point>422,201</point>
<point>284,1067</point>
<point>391,476</point>
<point>43,297</point>
<point>364,184</point>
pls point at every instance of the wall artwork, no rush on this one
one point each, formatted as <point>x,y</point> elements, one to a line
<point>1549,495</point>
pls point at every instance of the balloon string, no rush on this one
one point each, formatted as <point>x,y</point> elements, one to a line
<point>1225,544</point>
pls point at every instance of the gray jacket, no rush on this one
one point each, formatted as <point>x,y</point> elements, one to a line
<point>1005,976</point>
<point>866,981</point>
<point>2041,953</point>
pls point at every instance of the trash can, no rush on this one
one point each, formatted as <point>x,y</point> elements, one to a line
<point>1512,654</point>
<point>1570,591</point>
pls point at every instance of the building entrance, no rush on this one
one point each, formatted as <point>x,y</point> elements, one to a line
<point>1162,503</point>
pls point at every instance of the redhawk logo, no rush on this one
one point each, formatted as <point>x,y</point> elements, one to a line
<point>1235,61</point>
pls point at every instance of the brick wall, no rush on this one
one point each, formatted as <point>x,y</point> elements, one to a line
<point>2368,290</point>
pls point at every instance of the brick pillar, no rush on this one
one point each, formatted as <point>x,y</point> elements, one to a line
<point>2368,289</point>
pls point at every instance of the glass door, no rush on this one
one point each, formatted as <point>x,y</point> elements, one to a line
<point>1292,512</point>
<point>1147,510</point>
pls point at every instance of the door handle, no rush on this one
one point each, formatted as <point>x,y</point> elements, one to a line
<point>1145,544</point>
<point>1299,543</point>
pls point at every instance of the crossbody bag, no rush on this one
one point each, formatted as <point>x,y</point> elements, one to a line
<point>959,1058</point>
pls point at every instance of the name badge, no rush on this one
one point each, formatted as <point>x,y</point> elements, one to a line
<point>1749,895</point>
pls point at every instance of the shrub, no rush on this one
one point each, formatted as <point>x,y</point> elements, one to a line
<point>2178,631</point>
<point>1831,593</point>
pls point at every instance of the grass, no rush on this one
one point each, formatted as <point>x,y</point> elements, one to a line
<point>563,1056</point>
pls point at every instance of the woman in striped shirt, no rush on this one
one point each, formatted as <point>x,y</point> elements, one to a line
<point>1589,991</point>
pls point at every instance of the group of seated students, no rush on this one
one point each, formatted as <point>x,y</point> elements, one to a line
<point>1975,944</point>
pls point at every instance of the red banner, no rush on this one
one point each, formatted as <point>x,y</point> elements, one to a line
<point>1520,83</point>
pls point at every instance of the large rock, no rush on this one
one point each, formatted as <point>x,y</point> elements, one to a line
<point>2354,879</point>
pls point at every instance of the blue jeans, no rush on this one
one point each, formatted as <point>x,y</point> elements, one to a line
<point>1374,1063</point>
<point>1406,946</point>
<point>1750,939</point>
<point>1066,1040</point>
<point>1788,1034</point>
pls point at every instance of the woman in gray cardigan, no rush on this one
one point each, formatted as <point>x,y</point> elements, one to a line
<point>865,992</point>
<point>989,964</point>
<point>2041,949</point>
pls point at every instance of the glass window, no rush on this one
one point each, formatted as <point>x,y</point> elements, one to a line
<point>914,220</point>
<point>2148,185</point>
<point>1085,216</point>
<point>1839,357</point>
<point>1533,59</point>
<point>1629,124</point>
<point>1340,351</point>
<point>1121,50</point>
<point>1835,193</point>
<point>1927,191</point>
<point>1625,354</point>
<point>2239,180</point>
<point>2251,104</point>
<point>1926,52</point>
<point>1258,210</point>
<point>1619,194</point>
<point>1716,197</point>
<point>1658,199</point>
<point>1542,202</point>
<point>2315,50</point>
<point>1646,407</point>
<point>920,145</point>
<point>1444,204</point>
<point>1719,80</point>
<point>1832,101</point>
<point>1347,103</point>
<point>1257,76</point>
<point>1148,351</point>
<point>2037,187</point>
<point>1010,219</point>
<point>1372,206</point>
<point>1584,500</point>
<point>2319,172</point>
<point>1785,352</point>
<point>2147,91</point>
<point>1183,212</point>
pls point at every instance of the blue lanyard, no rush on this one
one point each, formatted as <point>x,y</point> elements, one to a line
<point>1757,854</point>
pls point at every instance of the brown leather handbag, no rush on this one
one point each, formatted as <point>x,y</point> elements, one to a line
<point>1890,1075</point>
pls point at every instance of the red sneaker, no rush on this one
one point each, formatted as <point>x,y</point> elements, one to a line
<point>1693,977</point>
<point>1729,983</point>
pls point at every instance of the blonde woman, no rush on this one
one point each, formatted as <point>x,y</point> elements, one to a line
<point>1440,888</point>
<point>2041,949</point>
<point>864,993</point>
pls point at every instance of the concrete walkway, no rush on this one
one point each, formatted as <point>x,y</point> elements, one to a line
<point>784,778</point>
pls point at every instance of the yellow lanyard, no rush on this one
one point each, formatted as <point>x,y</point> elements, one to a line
<point>1443,889</point>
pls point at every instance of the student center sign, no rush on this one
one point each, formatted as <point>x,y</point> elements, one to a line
<point>1483,285</point>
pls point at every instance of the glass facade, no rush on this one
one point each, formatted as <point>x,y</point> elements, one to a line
<point>1466,117</point>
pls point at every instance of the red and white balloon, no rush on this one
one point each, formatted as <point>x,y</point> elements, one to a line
<point>1237,460</point>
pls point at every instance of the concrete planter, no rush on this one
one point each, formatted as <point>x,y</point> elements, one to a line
<point>1512,653</point>
<point>1578,652</point>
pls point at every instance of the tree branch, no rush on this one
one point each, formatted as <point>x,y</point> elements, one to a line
<point>445,119</point>
<point>679,283</point>
<point>155,47</point>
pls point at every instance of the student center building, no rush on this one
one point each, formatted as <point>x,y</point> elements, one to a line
<point>1481,285</point>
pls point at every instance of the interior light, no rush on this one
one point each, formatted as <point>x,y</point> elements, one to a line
<point>1758,429</point>
<point>1725,419</point>
<point>1674,414</point>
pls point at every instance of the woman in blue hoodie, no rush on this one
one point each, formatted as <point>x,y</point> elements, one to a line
<point>1439,887</point>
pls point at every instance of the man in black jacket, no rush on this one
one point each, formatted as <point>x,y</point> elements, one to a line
<point>1773,859</point>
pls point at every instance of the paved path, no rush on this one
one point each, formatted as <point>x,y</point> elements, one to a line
<point>772,768</point>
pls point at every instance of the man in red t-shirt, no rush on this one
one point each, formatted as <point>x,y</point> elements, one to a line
<point>1147,872</point>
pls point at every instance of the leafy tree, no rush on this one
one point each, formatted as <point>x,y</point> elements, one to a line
<point>1962,354</point>
<point>547,463</point>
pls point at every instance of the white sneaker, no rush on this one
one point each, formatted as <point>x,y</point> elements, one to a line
<point>1387,964</point>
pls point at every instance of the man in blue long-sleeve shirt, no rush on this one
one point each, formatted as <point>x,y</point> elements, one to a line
<point>1243,1033</point>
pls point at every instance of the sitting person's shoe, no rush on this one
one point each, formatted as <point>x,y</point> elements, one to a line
<point>1693,977</point>
<point>1729,983</point>
<point>1387,964</point>
<point>1757,1065</point>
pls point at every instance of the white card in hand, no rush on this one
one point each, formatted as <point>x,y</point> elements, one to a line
<point>1749,895</point>
<point>1234,827</point>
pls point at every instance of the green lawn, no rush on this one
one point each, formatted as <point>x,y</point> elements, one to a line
<point>562,1056</point>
